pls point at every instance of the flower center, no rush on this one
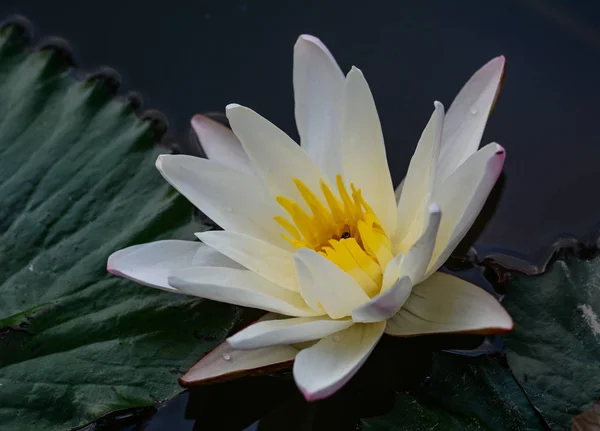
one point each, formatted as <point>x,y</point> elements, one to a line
<point>344,229</point>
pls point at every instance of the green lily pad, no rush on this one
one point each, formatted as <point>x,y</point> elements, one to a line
<point>462,394</point>
<point>78,182</point>
<point>554,350</point>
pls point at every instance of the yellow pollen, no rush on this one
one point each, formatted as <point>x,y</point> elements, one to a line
<point>342,228</point>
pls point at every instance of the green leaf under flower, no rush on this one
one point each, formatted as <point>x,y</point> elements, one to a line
<point>78,182</point>
<point>462,394</point>
<point>554,350</point>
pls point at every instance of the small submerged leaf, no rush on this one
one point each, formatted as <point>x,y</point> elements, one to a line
<point>554,350</point>
<point>589,420</point>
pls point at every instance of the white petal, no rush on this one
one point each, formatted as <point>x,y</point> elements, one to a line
<point>234,200</point>
<point>322,369</point>
<point>208,256</point>
<point>462,196</point>
<point>410,271</point>
<point>334,288</point>
<point>417,259</point>
<point>306,285</point>
<point>398,191</point>
<point>226,362</point>
<point>363,150</point>
<point>318,94</point>
<point>392,272</point>
<point>273,263</point>
<point>399,274</point>
<point>419,181</point>
<point>286,331</point>
<point>150,264</point>
<point>444,303</point>
<point>220,144</point>
<point>384,305</point>
<point>239,287</point>
<point>467,117</point>
<point>276,157</point>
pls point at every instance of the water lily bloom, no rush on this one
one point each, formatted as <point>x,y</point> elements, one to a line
<point>314,234</point>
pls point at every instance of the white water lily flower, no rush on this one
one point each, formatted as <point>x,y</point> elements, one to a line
<point>314,232</point>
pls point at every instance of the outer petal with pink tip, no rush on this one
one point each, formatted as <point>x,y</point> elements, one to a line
<point>151,264</point>
<point>324,368</point>
<point>467,116</point>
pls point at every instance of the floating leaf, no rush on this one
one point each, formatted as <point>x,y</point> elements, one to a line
<point>554,350</point>
<point>462,394</point>
<point>77,183</point>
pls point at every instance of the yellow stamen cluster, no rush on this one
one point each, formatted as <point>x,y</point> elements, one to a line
<point>344,229</point>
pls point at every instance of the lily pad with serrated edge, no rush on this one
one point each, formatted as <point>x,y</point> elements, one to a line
<point>77,182</point>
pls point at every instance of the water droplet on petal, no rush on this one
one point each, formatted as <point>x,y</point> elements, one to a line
<point>227,356</point>
<point>474,111</point>
<point>335,338</point>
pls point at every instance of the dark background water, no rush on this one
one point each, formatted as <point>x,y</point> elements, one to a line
<point>195,56</point>
<point>188,57</point>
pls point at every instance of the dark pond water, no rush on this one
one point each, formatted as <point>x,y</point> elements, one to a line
<point>189,57</point>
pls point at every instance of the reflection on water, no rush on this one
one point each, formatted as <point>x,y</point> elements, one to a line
<point>273,402</point>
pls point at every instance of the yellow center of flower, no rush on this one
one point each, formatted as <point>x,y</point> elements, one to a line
<point>344,229</point>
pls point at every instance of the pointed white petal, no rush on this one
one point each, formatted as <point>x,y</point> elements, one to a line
<point>444,303</point>
<point>150,264</point>
<point>276,157</point>
<point>418,257</point>
<point>467,117</point>
<point>384,305</point>
<point>220,144</point>
<point>273,263</point>
<point>239,287</point>
<point>363,150</point>
<point>286,331</point>
<point>322,369</point>
<point>225,362</point>
<point>419,181</point>
<point>334,288</point>
<point>462,196</point>
<point>234,200</point>
<point>318,94</point>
